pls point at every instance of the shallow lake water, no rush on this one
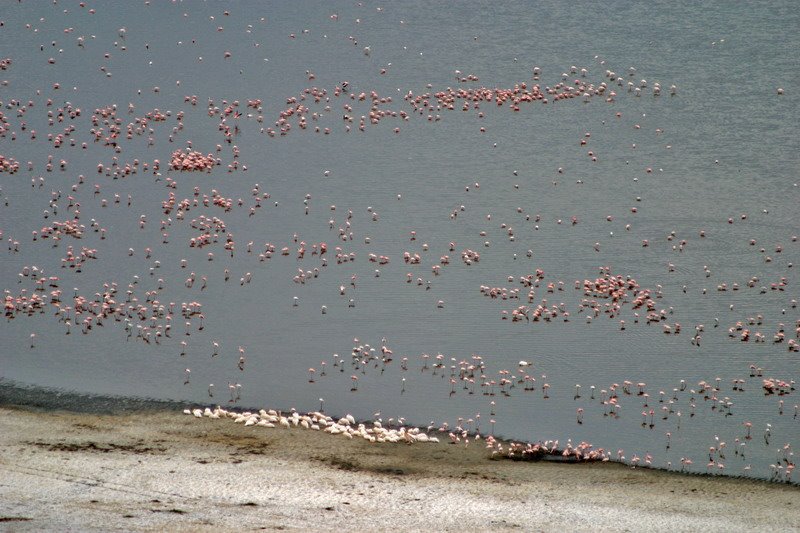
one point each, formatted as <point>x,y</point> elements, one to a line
<point>719,157</point>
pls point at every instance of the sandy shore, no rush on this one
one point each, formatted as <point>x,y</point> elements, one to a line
<point>165,470</point>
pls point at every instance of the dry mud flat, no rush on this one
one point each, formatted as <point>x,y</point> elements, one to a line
<point>163,470</point>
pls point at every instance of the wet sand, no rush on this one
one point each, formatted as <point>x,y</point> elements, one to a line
<point>163,470</point>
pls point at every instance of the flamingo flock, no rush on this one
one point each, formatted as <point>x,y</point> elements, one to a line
<point>191,161</point>
<point>317,421</point>
<point>199,218</point>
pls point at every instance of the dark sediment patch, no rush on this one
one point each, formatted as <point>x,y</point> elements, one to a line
<point>99,447</point>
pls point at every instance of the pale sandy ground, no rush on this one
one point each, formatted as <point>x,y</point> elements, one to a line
<point>168,471</point>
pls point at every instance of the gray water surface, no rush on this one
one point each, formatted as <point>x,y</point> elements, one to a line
<point>724,146</point>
